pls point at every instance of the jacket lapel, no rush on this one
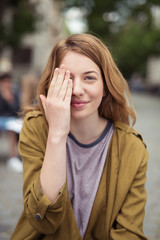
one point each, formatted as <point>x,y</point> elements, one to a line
<point>111,180</point>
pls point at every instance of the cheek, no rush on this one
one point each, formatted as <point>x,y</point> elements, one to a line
<point>97,97</point>
<point>99,92</point>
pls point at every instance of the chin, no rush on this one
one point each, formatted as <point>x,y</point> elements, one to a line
<point>78,116</point>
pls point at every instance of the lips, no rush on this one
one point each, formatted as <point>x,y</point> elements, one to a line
<point>78,103</point>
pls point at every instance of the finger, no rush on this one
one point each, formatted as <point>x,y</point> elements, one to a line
<point>63,89</point>
<point>67,98</point>
<point>54,79</point>
<point>59,81</point>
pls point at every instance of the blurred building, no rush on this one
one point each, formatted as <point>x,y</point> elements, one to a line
<point>153,65</point>
<point>153,70</point>
<point>35,50</point>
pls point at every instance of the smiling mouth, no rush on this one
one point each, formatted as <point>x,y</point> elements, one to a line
<point>78,104</point>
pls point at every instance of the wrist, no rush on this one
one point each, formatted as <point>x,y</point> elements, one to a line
<point>56,137</point>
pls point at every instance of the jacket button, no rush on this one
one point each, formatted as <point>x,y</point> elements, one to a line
<point>38,216</point>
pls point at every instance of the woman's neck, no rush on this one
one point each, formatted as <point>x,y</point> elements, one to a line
<point>87,130</point>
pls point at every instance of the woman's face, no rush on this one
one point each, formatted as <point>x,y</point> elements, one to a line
<point>88,88</point>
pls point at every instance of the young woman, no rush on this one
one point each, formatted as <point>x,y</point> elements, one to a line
<point>84,166</point>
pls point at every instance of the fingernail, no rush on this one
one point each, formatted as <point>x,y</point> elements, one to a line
<point>62,66</point>
<point>67,72</point>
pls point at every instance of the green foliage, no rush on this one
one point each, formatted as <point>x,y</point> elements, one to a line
<point>17,18</point>
<point>127,27</point>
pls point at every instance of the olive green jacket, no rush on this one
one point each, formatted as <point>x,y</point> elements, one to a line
<point>118,209</point>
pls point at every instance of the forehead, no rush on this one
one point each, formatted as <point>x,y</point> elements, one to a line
<point>74,60</point>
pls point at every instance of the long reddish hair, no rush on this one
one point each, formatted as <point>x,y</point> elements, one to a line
<point>117,104</point>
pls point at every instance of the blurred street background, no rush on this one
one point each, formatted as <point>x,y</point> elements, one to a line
<point>28,31</point>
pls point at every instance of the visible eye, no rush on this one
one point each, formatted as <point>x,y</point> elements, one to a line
<point>90,78</point>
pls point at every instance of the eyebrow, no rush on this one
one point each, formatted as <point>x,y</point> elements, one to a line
<point>88,72</point>
<point>85,73</point>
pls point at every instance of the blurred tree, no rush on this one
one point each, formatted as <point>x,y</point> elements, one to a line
<point>17,18</point>
<point>128,27</point>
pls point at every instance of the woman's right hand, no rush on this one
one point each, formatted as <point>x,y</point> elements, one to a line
<point>57,103</point>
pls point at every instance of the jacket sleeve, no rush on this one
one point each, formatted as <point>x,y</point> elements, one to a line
<point>44,216</point>
<point>129,221</point>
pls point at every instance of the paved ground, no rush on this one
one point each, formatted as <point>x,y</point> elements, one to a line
<point>148,109</point>
<point>148,123</point>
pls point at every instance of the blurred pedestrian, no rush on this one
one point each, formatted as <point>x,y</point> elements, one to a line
<point>9,121</point>
<point>84,166</point>
<point>29,85</point>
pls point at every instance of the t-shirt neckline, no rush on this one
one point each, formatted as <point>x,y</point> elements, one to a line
<point>99,139</point>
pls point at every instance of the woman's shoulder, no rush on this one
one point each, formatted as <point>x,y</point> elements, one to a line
<point>33,114</point>
<point>128,133</point>
<point>129,145</point>
<point>35,119</point>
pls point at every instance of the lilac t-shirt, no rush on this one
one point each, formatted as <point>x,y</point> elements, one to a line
<point>85,163</point>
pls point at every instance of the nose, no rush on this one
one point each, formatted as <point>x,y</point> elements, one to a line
<point>77,89</point>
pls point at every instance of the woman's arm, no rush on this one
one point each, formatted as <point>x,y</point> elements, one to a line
<point>43,151</point>
<point>39,212</point>
<point>57,111</point>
